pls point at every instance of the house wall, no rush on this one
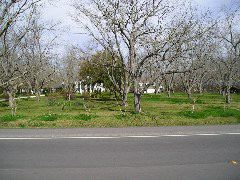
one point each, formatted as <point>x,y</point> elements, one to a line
<point>150,91</point>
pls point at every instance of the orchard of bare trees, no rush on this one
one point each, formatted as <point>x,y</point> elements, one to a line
<point>137,45</point>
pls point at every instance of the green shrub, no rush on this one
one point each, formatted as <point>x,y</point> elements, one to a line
<point>55,99</point>
<point>26,99</point>
<point>9,117</point>
<point>86,95</point>
<point>3,95</point>
<point>85,117</point>
<point>104,96</point>
<point>55,94</point>
<point>52,102</point>
<point>95,94</point>
<point>122,116</point>
<point>78,103</point>
<point>195,114</point>
<point>48,117</point>
<point>3,104</point>
<point>21,125</point>
<point>221,112</point>
<point>18,94</point>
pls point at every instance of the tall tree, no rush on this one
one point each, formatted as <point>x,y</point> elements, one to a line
<point>37,66</point>
<point>15,17</point>
<point>228,55</point>
<point>99,68</point>
<point>70,71</point>
<point>10,77</point>
<point>14,12</point>
<point>121,27</point>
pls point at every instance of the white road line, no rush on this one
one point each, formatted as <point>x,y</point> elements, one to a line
<point>233,133</point>
<point>20,138</point>
<point>139,136</point>
<point>116,137</point>
<point>177,135</point>
<point>104,137</point>
<point>208,134</point>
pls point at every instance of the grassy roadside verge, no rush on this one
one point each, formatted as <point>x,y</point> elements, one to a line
<point>158,110</point>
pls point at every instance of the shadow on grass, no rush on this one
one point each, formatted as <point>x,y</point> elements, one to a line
<point>171,100</point>
<point>103,99</point>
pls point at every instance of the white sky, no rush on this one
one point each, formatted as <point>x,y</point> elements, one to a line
<point>59,11</point>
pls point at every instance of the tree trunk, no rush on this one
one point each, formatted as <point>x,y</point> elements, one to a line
<point>189,93</point>
<point>228,96</point>
<point>12,102</point>
<point>38,93</point>
<point>200,88</point>
<point>155,91</point>
<point>220,91</point>
<point>124,101</point>
<point>115,94</point>
<point>169,92</point>
<point>223,91</point>
<point>157,88</point>
<point>69,96</point>
<point>171,86</point>
<point>193,105</point>
<point>137,102</point>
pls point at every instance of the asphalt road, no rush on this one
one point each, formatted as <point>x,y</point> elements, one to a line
<point>211,153</point>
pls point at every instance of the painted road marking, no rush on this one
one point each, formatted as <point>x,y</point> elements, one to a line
<point>177,135</point>
<point>116,137</point>
<point>208,134</point>
<point>24,138</point>
<point>139,136</point>
<point>93,137</point>
<point>233,133</point>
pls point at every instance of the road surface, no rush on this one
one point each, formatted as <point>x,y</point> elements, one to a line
<point>182,153</point>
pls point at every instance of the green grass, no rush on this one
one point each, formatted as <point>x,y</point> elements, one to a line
<point>103,111</point>
<point>48,117</point>
<point>212,111</point>
<point>9,118</point>
<point>84,117</point>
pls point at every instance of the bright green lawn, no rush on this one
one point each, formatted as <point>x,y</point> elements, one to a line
<point>158,110</point>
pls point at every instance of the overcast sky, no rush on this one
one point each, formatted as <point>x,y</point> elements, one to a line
<point>60,9</point>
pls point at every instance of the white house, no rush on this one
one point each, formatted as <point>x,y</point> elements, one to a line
<point>80,88</point>
<point>151,89</point>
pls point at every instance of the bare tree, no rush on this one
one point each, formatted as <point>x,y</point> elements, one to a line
<point>128,29</point>
<point>13,12</point>
<point>70,71</point>
<point>9,75</point>
<point>228,55</point>
<point>37,66</point>
<point>13,29</point>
